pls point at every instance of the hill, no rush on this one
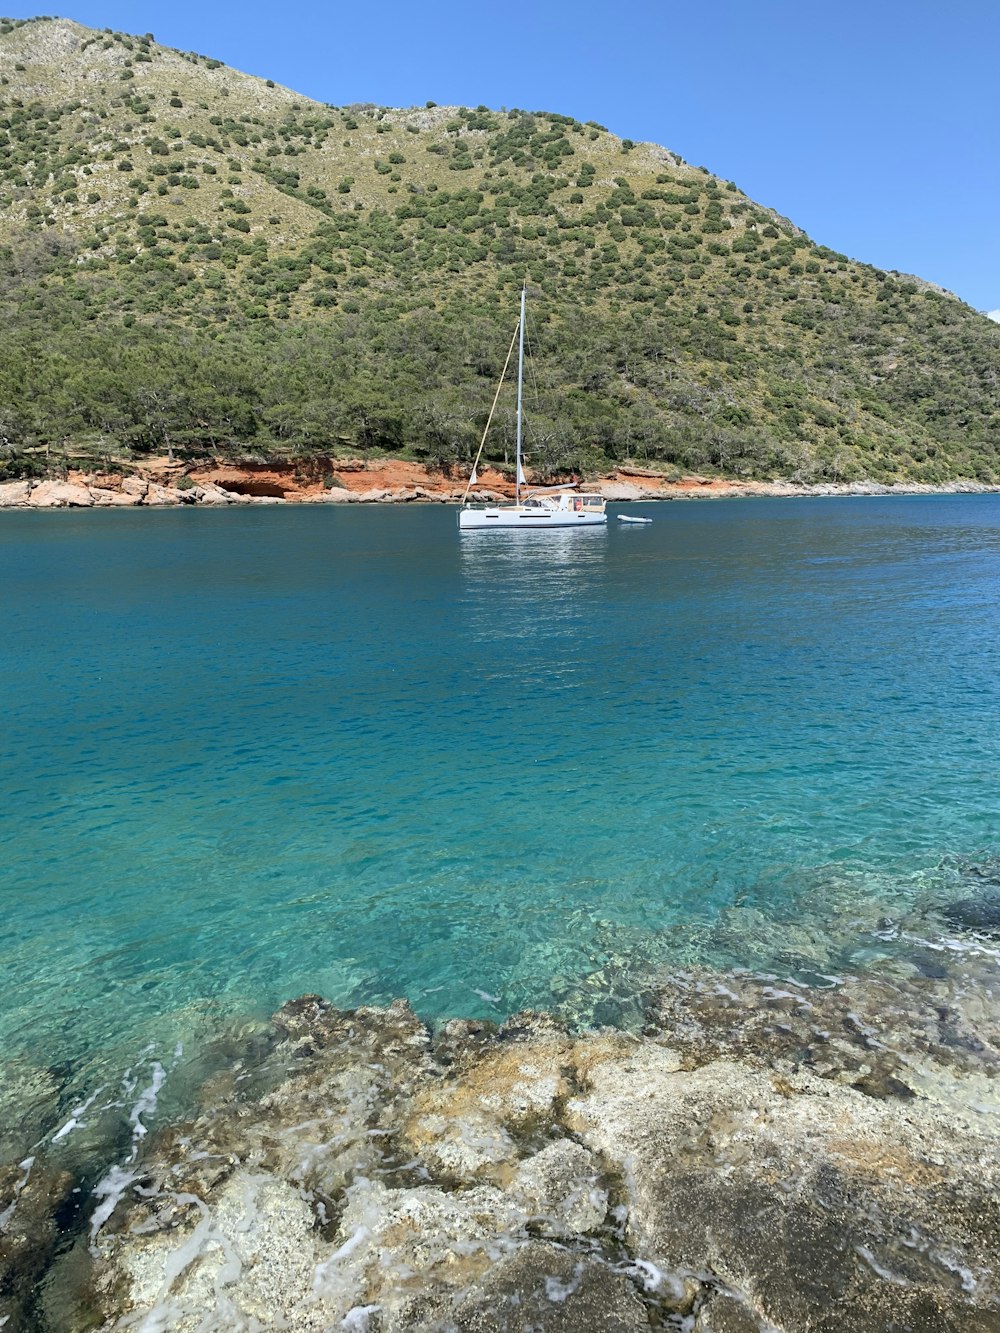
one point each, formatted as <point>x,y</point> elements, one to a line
<point>197,260</point>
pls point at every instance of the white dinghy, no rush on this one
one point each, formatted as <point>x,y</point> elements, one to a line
<point>632,518</point>
<point>546,507</point>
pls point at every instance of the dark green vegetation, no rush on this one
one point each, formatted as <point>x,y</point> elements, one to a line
<point>196,259</point>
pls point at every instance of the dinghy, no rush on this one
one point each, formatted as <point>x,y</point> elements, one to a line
<point>632,518</point>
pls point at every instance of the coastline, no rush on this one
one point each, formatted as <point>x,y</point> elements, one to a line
<point>161,482</point>
<point>765,1155</point>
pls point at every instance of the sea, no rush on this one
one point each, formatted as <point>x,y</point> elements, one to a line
<point>270,751</point>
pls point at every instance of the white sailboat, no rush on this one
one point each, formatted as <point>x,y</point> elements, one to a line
<point>543,507</point>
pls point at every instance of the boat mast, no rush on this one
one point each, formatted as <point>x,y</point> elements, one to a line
<point>520,386</point>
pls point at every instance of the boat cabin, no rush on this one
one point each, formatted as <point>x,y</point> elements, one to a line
<point>565,502</point>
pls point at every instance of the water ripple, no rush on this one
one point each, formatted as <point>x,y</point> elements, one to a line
<point>261,752</point>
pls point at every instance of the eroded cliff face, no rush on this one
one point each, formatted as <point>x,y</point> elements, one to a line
<point>765,1156</point>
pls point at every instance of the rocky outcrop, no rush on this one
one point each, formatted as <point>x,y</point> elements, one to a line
<point>765,1156</point>
<point>401,483</point>
<point>106,499</point>
<point>809,1200</point>
<point>540,1286</point>
<point>390,495</point>
<point>59,495</point>
<point>714,1174</point>
<point>131,491</point>
<point>163,495</point>
<point>14,493</point>
<point>215,495</point>
<point>329,1202</point>
<point>930,1035</point>
<point>625,491</point>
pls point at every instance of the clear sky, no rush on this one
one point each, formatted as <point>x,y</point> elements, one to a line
<point>872,125</point>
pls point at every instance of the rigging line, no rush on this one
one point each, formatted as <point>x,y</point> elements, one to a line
<point>496,396</point>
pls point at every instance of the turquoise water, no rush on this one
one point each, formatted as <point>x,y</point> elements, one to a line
<point>265,751</point>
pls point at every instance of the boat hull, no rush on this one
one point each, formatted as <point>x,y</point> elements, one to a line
<point>516,518</point>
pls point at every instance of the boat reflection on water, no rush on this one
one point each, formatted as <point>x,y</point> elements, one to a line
<point>531,583</point>
<point>539,549</point>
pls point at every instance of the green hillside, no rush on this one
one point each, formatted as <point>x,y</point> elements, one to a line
<point>197,259</point>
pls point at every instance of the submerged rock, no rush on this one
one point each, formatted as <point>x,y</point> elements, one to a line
<point>935,1036</point>
<point>979,912</point>
<point>29,1097</point>
<point>31,1197</point>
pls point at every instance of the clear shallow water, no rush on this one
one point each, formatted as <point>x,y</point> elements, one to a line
<point>266,751</point>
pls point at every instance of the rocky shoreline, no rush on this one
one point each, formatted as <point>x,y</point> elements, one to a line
<point>764,1157</point>
<point>162,483</point>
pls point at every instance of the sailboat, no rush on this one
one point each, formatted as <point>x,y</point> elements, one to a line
<point>543,507</point>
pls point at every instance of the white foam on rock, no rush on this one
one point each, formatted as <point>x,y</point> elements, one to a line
<point>244,1263</point>
<point>74,1121</point>
<point>880,1270</point>
<point>558,1291</point>
<point>110,1190</point>
<point>348,1248</point>
<point>654,1278</point>
<point>146,1104</point>
<point>357,1320</point>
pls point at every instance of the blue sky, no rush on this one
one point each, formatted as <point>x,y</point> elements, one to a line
<point>872,125</point>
